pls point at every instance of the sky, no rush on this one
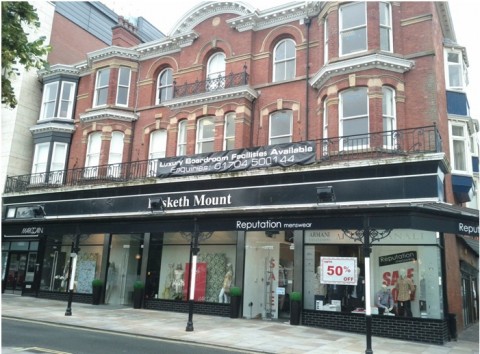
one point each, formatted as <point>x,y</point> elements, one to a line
<point>464,13</point>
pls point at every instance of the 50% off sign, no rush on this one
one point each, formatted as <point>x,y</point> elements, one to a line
<point>338,270</point>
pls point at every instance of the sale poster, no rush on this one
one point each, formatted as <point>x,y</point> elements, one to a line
<point>338,270</point>
<point>200,282</point>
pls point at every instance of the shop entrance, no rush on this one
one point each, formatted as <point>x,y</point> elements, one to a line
<point>123,268</point>
<point>268,275</point>
<point>16,271</point>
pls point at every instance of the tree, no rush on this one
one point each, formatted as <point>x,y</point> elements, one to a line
<point>16,47</point>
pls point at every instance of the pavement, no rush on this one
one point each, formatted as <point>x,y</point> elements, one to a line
<point>244,335</point>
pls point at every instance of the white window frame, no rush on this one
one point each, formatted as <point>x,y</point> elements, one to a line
<point>157,150</point>
<point>92,160</point>
<point>57,164</point>
<point>284,60</point>
<point>389,119</point>
<point>100,88</point>
<point>69,100</point>
<point>122,87</point>
<point>344,31</point>
<point>164,85</point>
<point>115,154</point>
<point>386,28</point>
<point>40,162</point>
<point>325,41</point>
<point>345,142</point>
<point>458,66</point>
<point>48,101</point>
<point>182,138</point>
<point>325,147</point>
<point>216,67</point>
<point>285,116</point>
<point>202,138</point>
<point>229,131</point>
<point>456,149</point>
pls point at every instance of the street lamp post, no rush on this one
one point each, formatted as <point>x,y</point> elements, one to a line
<point>367,236</point>
<point>193,274</point>
<point>71,273</point>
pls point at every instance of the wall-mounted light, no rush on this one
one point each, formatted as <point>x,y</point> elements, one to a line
<point>39,211</point>
<point>325,194</point>
<point>155,204</point>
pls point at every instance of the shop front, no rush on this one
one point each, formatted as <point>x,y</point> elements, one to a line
<point>268,234</point>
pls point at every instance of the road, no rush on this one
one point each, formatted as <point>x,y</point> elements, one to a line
<point>22,336</point>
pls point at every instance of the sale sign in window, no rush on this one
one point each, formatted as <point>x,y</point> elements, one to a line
<point>338,270</point>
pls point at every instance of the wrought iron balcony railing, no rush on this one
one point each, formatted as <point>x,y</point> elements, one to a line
<point>212,84</point>
<point>353,147</point>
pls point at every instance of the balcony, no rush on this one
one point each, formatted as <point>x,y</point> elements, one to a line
<point>214,89</point>
<point>407,142</point>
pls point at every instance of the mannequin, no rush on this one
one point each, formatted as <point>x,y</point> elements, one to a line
<point>404,287</point>
<point>223,297</point>
<point>178,283</point>
<point>321,289</point>
<point>384,300</point>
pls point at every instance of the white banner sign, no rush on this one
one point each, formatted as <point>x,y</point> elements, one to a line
<point>338,270</point>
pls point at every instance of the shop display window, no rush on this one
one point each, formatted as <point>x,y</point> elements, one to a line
<point>215,266</point>
<point>405,274</point>
<point>57,261</point>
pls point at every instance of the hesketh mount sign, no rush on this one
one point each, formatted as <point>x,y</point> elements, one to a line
<point>283,155</point>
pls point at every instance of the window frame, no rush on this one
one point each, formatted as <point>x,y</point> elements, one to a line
<point>101,88</point>
<point>182,138</point>
<point>56,174</point>
<point>343,31</point>
<point>122,87</point>
<point>386,27</point>
<point>216,69</point>
<point>272,138</point>
<point>115,153</point>
<point>167,87</point>
<point>202,140</point>
<point>326,40</point>
<point>284,61</point>
<point>229,140</point>
<point>49,101</point>
<point>92,158</point>
<point>343,119</point>
<point>389,118</point>
<point>158,138</point>
<point>461,70</point>
<point>466,151</point>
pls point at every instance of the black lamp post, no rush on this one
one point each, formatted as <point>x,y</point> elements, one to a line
<point>71,273</point>
<point>367,236</point>
<point>194,237</point>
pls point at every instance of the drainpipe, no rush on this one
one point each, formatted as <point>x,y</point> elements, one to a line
<point>134,113</point>
<point>307,100</point>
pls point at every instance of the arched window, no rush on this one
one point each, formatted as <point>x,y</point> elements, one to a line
<point>216,72</point>
<point>284,60</point>
<point>281,127</point>
<point>388,114</point>
<point>115,154</point>
<point>354,123</point>
<point>157,150</point>
<point>182,138</point>
<point>205,135</point>
<point>164,86</point>
<point>92,159</point>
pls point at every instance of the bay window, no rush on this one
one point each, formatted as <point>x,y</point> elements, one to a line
<point>93,154</point>
<point>354,118</point>
<point>123,86</point>
<point>101,87</point>
<point>353,28</point>
<point>55,106</point>
<point>115,154</point>
<point>157,150</point>
<point>459,147</point>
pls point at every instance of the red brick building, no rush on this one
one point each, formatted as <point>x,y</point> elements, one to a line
<point>271,146</point>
